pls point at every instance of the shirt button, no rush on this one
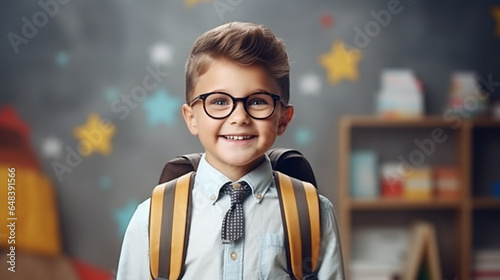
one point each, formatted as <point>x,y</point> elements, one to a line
<point>259,196</point>
<point>213,197</point>
<point>233,256</point>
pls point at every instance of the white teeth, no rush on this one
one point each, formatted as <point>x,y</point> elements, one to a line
<point>230,137</point>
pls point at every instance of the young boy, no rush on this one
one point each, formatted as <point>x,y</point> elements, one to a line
<point>232,63</point>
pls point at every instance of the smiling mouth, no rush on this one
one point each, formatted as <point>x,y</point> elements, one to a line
<point>233,137</point>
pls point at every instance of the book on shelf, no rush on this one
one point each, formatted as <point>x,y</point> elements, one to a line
<point>422,260</point>
<point>496,190</point>
<point>486,264</point>
<point>391,181</point>
<point>400,95</point>
<point>378,252</point>
<point>366,270</point>
<point>418,184</point>
<point>447,182</point>
<point>364,174</point>
<point>465,87</point>
<point>495,110</point>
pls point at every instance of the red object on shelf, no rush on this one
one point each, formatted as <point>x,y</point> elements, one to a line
<point>391,182</point>
<point>392,188</point>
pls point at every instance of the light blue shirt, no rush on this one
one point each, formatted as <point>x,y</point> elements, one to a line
<point>259,254</point>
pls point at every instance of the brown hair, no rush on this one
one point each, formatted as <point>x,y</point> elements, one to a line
<point>244,43</point>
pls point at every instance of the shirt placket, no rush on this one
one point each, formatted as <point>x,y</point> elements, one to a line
<point>233,260</point>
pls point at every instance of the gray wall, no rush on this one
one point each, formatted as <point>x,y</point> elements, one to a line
<point>89,53</point>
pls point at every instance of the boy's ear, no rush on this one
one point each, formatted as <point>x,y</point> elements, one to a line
<point>285,119</point>
<point>187,113</point>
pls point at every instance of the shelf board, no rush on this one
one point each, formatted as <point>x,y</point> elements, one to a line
<point>486,203</point>
<point>424,121</point>
<point>486,122</point>
<point>377,121</point>
<point>401,204</point>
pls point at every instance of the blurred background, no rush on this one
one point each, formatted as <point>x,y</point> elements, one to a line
<point>90,112</point>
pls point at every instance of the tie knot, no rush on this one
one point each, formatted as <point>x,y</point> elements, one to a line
<point>237,191</point>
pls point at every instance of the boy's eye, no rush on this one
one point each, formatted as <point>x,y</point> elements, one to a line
<point>260,100</point>
<point>257,101</point>
<point>219,100</point>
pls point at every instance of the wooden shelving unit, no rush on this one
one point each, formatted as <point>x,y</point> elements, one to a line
<point>462,138</point>
<point>486,203</point>
<point>393,204</point>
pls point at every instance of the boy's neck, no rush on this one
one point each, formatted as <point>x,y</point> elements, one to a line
<point>236,172</point>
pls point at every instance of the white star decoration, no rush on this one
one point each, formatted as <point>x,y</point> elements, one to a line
<point>51,147</point>
<point>161,53</point>
<point>310,84</point>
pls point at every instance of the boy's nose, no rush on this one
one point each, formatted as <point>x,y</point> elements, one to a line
<point>239,114</point>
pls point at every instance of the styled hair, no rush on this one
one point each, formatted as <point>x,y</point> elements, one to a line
<point>243,43</point>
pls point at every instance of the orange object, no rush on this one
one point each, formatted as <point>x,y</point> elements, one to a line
<point>447,180</point>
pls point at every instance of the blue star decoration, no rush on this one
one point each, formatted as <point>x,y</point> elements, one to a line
<point>105,182</point>
<point>111,94</point>
<point>123,215</point>
<point>62,58</point>
<point>162,107</point>
<point>303,136</point>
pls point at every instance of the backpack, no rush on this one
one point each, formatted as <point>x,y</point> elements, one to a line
<point>170,212</point>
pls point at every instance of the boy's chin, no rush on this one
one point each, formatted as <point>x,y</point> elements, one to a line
<point>242,161</point>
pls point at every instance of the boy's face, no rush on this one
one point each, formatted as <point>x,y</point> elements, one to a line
<point>230,156</point>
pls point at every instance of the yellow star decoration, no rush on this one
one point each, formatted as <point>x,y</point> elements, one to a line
<point>95,136</point>
<point>341,63</point>
<point>496,13</point>
<point>192,3</point>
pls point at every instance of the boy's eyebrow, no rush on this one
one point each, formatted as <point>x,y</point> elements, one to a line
<point>249,92</point>
<point>218,90</point>
<point>262,90</point>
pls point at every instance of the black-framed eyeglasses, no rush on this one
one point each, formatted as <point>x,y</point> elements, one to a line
<point>219,105</point>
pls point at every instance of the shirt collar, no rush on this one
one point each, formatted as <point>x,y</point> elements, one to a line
<point>210,180</point>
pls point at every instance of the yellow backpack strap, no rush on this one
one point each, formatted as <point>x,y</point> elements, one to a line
<point>169,223</point>
<point>300,213</point>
